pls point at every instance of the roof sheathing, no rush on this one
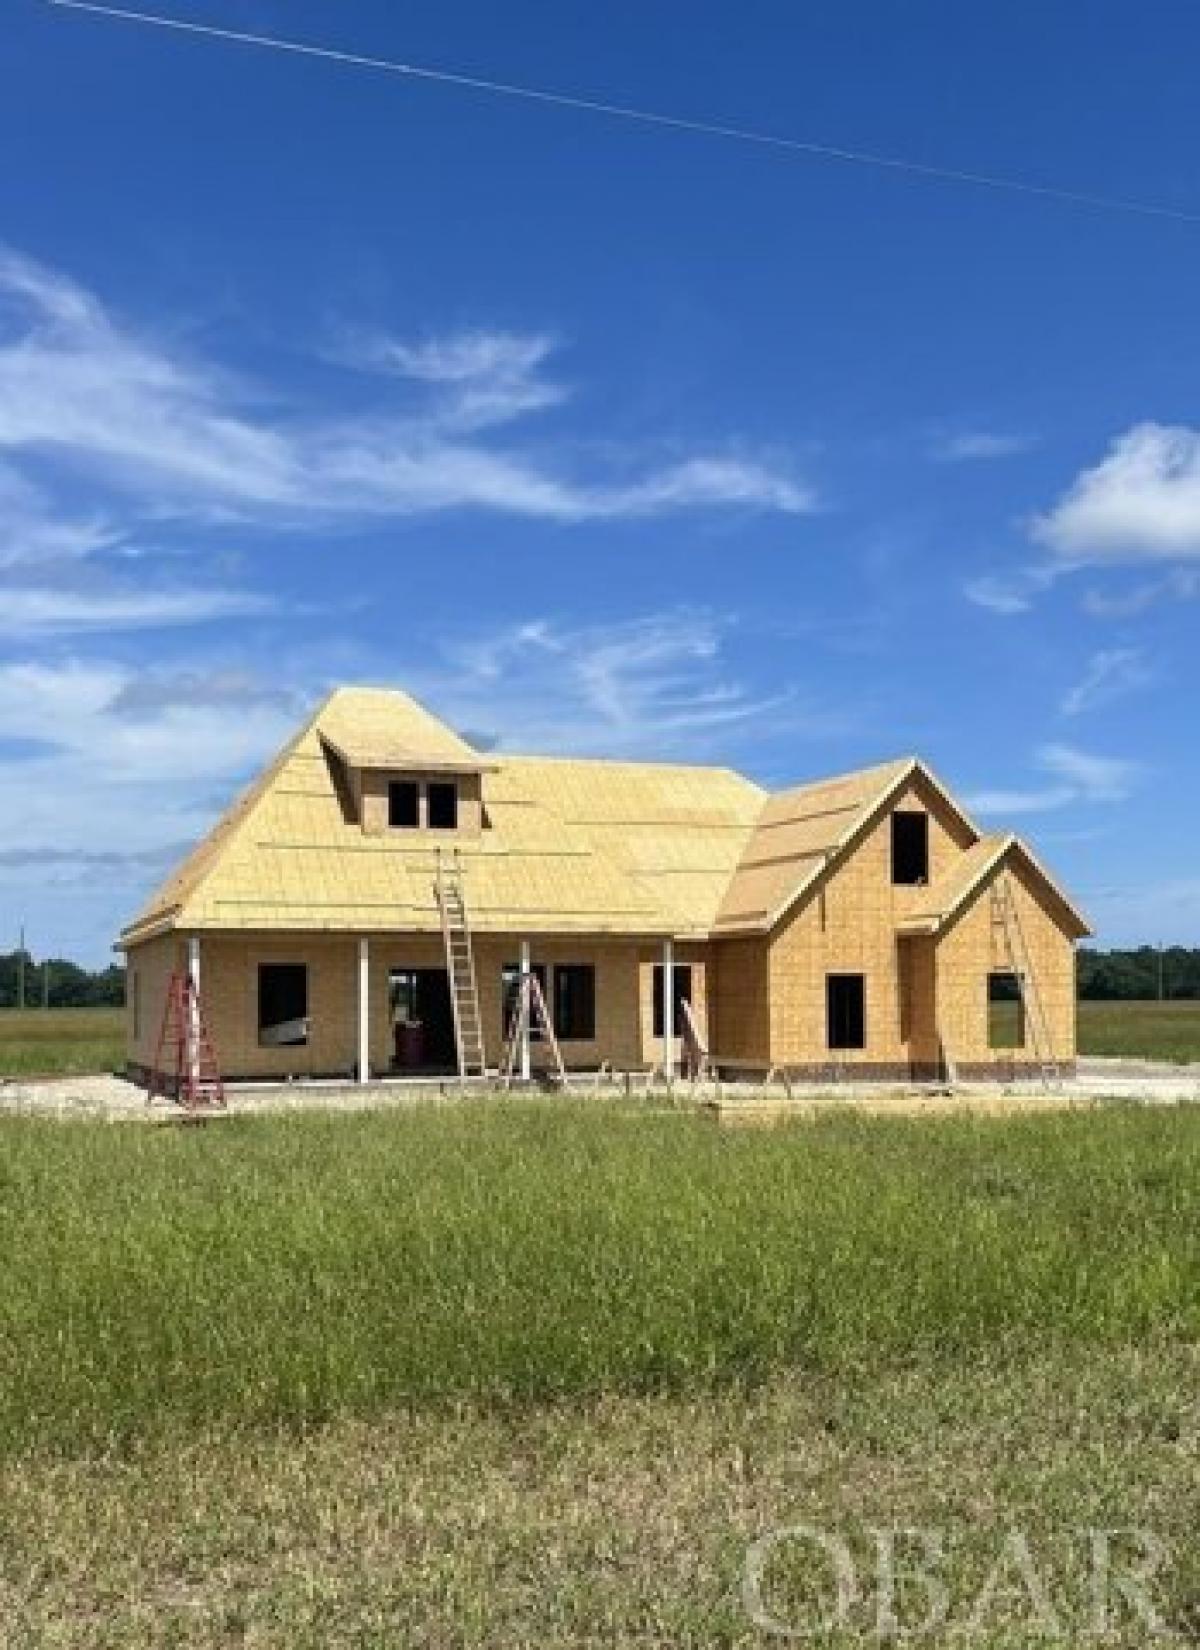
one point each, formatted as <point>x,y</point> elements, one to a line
<point>799,833</point>
<point>946,899</point>
<point>571,845</point>
<point>162,910</point>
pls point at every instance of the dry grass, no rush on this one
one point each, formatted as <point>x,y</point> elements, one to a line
<point>623,1524</point>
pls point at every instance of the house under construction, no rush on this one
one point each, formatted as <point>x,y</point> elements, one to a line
<point>376,900</point>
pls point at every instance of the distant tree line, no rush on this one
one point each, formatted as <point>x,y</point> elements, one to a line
<point>59,983</point>
<point>1104,976</point>
<point>1146,973</point>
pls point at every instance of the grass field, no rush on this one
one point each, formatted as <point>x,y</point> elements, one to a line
<point>292,1269</point>
<point>1147,1031</point>
<point>37,1042</point>
<point>535,1373</point>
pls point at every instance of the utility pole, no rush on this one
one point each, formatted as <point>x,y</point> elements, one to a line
<point>1162,964</point>
<point>45,982</point>
<point>21,968</point>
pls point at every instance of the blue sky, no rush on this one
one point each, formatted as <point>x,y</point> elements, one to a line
<point>600,437</point>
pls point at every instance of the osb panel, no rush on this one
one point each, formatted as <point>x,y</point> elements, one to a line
<point>974,946</point>
<point>149,969</point>
<point>380,727</point>
<point>848,925</point>
<point>373,801</point>
<point>229,987</point>
<point>917,962</point>
<point>741,1012</point>
<point>229,991</point>
<point>603,847</point>
<point>796,830</point>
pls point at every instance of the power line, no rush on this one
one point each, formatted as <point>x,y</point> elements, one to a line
<point>644,117</point>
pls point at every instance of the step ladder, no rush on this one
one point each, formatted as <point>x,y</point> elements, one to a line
<point>460,966</point>
<point>185,1068</point>
<point>529,1010</point>
<point>697,1062</point>
<point>1007,926</point>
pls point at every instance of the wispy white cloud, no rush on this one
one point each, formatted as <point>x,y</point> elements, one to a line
<point>107,778</point>
<point>661,685</point>
<point>998,595</point>
<point>32,535</point>
<point>1180,584</point>
<point>80,710</point>
<point>482,377</point>
<point>1140,503</point>
<point>175,432</point>
<point>27,612</point>
<point>1010,594</point>
<point>474,356</point>
<point>1093,778</point>
<point>219,688</point>
<point>1110,674</point>
<point>1073,777</point>
<point>972,446</point>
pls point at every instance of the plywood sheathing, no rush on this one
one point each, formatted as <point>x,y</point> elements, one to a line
<point>972,946</point>
<point>624,972</point>
<point>802,832</point>
<point>565,845</point>
<point>570,847</point>
<point>376,728</point>
<point>848,924</point>
<point>943,900</point>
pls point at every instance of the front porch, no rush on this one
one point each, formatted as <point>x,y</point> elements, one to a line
<point>377,1007</point>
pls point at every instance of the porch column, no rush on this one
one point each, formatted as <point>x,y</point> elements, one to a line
<point>668,972</point>
<point>364,1010</point>
<point>193,1028</point>
<point>525,972</point>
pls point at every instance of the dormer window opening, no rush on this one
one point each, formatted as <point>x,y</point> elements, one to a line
<point>404,805</point>
<point>442,801</point>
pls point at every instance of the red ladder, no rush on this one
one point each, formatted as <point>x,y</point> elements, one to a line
<point>196,1083</point>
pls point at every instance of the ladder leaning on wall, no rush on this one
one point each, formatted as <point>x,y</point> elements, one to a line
<point>460,965</point>
<point>1006,921</point>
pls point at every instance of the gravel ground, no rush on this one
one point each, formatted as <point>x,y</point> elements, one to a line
<point>113,1099</point>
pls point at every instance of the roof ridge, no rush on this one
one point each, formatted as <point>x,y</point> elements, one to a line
<point>895,763</point>
<point>503,756</point>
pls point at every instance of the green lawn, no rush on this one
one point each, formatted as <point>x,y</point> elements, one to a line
<point>1148,1031</point>
<point>535,1373</point>
<point>37,1042</point>
<point>293,1269</point>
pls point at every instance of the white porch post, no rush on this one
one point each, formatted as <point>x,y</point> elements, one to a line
<point>525,971</point>
<point>193,1030</point>
<point>668,972</point>
<point>364,1010</point>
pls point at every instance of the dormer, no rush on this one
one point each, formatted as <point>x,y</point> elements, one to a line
<point>404,773</point>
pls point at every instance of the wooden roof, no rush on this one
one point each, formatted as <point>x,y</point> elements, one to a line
<point>375,728</point>
<point>950,895</point>
<point>569,846</point>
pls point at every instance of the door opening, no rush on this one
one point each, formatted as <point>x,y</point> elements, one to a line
<point>422,1020</point>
